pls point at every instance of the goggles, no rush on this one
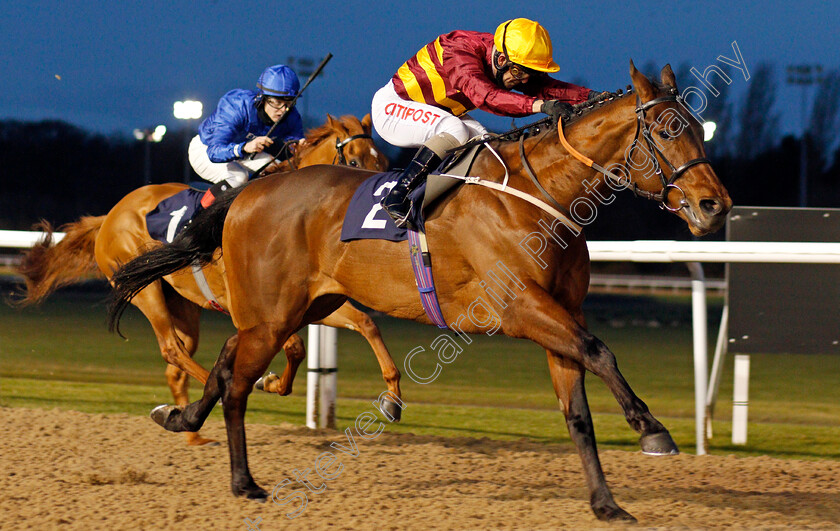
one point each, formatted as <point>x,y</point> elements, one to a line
<point>278,103</point>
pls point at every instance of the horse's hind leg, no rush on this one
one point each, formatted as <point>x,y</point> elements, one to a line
<point>567,378</point>
<point>185,317</point>
<point>348,316</point>
<point>282,385</point>
<point>176,349</point>
<point>192,416</point>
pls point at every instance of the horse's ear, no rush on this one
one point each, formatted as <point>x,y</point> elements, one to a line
<point>332,121</point>
<point>668,77</point>
<point>644,88</point>
<point>366,123</point>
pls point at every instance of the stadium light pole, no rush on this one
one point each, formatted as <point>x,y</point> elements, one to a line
<point>187,110</point>
<point>147,136</point>
<point>804,75</point>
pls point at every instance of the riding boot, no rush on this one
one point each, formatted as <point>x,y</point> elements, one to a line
<point>214,192</point>
<point>396,203</point>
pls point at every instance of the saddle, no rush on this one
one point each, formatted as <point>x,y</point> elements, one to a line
<point>365,218</point>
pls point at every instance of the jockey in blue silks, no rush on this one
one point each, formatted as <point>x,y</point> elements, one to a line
<point>231,141</point>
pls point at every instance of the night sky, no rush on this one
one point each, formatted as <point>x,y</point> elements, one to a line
<point>111,67</point>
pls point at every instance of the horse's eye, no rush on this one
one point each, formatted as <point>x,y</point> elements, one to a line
<point>354,163</point>
<point>664,135</point>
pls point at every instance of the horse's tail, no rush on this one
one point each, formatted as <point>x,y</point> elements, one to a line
<point>193,245</point>
<point>47,267</point>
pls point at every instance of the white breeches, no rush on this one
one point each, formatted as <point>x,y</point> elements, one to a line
<point>234,172</point>
<point>407,123</point>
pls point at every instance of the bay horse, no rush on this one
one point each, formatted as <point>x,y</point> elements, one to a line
<point>98,245</point>
<point>286,266</point>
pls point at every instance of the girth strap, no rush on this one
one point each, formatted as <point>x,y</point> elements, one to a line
<point>204,287</point>
<point>421,263</point>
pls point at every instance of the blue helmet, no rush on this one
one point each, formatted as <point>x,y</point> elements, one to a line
<point>279,81</point>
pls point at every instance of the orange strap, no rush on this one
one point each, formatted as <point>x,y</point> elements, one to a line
<point>575,153</point>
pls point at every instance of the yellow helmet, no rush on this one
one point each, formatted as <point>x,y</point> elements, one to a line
<point>525,43</point>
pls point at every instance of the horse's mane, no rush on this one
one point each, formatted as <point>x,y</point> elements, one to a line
<point>585,108</point>
<point>315,135</point>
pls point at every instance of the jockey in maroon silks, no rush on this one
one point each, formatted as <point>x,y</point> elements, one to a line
<point>426,102</point>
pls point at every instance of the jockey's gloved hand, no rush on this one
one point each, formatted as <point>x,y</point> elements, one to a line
<point>556,109</point>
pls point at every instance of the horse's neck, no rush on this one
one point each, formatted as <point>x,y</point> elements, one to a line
<point>601,135</point>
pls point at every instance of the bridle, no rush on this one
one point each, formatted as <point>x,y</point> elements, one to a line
<point>339,147</point>
<point>642,129</point>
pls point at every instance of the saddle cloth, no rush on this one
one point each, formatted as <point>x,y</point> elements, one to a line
<point>172,214</point>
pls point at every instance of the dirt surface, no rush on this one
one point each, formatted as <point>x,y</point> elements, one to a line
<point>69,470</point>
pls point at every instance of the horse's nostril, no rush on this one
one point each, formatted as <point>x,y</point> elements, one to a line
<point>711,207</point>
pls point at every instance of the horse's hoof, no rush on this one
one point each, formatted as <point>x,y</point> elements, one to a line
<point>252,492</point>
<point>658,444</point>
<point>267,379</point>
<point>194,439</point>
<point>613,513</point>
<point>390,409</point>
<point>168,417</point>
<point>259,497</point>
<point>163,413</point>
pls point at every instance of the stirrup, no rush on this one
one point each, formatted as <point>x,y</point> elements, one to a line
<point>400,219</point>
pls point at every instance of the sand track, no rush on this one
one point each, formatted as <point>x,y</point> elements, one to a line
<point>70,470</point>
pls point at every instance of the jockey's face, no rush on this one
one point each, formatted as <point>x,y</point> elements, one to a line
<point>510,79</point>
<point>513,75</point>
<point>275,107</point>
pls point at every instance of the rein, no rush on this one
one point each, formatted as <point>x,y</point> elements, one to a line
<point>339,156</point>
<point>555,208</point>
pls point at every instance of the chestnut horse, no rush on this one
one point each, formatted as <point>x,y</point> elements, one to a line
<point>276,285</point>
<point>173,305</point>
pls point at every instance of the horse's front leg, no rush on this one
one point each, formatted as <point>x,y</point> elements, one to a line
<point>655,439</point>
<point>538,316</point>
<point>347,316</point>
<point>554,328</point>
<point>567,378</point>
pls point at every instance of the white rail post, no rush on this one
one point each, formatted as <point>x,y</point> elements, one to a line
<point>699,316</point>
<point>740,399</point>
<point>313,364</point>
<point>717,369</point>
<point>328,380</point>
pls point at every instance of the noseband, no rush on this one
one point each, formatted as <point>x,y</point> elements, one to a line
<point>339,147</point>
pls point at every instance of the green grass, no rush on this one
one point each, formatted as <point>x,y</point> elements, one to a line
<point>61,355</point>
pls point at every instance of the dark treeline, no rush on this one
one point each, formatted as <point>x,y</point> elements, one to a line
<point>59,172</point>
<point>56,171</point>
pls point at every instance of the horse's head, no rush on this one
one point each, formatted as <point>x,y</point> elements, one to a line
<point>668,156</point>
<point>344,140</point>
